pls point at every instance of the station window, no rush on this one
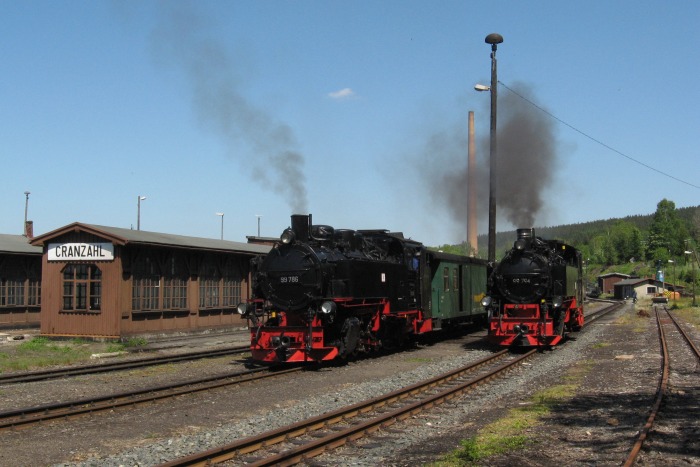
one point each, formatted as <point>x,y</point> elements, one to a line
<point>220,283</point>
<point>34,292</point>
<point>175,284</point>
<point>145,293</point>
<point>82,287</point>
<point>11,292</point>
<point>159,284</point>
<point>232,292</point>
<point>174,293</point>
<point>208,292</point>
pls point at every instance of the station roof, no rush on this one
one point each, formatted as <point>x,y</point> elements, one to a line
<point>613,274</point>
<point>17,245</point>
<point>121,236</point>
<point>635,281</point>
<point>648,280</point>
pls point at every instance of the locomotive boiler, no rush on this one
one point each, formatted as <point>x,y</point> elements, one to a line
<point>322,293</point>
<point>535,293</point>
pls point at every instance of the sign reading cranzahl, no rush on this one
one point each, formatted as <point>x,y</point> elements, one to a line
<point>81,252</point>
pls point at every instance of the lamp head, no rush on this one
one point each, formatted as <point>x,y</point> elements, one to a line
<point>494,38</point>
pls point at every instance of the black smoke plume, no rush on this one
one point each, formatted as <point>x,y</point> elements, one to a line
<point>526,157</point>
<point>183,41</point>
<point>526,162</point>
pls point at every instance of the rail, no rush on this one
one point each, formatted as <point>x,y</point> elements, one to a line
<point>443,387</point>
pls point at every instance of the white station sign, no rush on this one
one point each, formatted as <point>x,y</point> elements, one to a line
<point>81,252</point>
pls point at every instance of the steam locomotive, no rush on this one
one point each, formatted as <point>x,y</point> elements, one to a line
<point>535,294</point>
<point>323,294</point>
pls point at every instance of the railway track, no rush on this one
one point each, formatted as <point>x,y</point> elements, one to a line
<point>27,377</point>
<point>306,439</point>
<point>31,415</point>
<point>596,315</point>
<point>663,382</point>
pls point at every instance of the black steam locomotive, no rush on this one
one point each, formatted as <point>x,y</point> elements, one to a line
<point>322,293</point>
<point>535,294</point>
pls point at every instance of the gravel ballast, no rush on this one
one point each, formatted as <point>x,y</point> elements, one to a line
<point>614,363</point>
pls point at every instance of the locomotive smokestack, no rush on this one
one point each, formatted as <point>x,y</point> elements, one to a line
<point>301,225</point>
<point>526,234</point>
<point>471,187</point>
<point>524,240</point>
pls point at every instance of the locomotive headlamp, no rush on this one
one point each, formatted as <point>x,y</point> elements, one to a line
<point>557,302</point>
<point>486,301</point>
<point>519,244</point>
<point>287,236</point>
<point>328,307</point>
<point>242,309</point>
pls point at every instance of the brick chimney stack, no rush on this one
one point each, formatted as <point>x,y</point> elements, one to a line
<point>29,229</point>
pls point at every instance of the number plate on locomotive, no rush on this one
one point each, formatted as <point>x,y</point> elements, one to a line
<point>520,280</point>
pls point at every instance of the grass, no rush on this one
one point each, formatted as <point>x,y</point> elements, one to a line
<point>683,309</point>
<point>39,352</point>
<point>508,433</point>
<point>42,352</point>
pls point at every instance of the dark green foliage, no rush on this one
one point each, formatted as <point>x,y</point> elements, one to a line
<point>667,232</point>
<point>600,241</point>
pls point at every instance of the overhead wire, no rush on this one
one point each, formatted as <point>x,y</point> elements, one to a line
<point>594,139</point>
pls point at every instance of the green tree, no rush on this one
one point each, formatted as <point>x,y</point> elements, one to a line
<point>666,232</point>
<point>626,240</point>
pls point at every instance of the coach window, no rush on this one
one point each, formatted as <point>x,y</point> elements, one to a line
<point>446,278</point>
<point>82,288</point>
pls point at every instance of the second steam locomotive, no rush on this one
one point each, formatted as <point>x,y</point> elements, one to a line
<point>535,294</point>
<point>322,293</point>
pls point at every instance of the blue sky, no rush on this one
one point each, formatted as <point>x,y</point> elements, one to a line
<point>353,111</point>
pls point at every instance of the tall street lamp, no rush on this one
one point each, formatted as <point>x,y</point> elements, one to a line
<point>494,39</point>
<point>258,216</point>
<point>138,212</point>
<point>222,223</point>
<point>673,278</point>
<point>693,262</point>
<point>26,208</point>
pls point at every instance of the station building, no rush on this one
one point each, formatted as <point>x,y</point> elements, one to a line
<point>20,282</point>
<point>110,282</point>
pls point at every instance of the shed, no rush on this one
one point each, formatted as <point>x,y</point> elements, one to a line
<point>644,287</point>
<point>112,282</point>
<point>606,282</point>
<point>20,282</point>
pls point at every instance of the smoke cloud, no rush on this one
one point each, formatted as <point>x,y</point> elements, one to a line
<point>526,158</point>
<point>526,162</point>
<point>220,103</point>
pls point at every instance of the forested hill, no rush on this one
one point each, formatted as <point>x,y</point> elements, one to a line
<point>583,234</point>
